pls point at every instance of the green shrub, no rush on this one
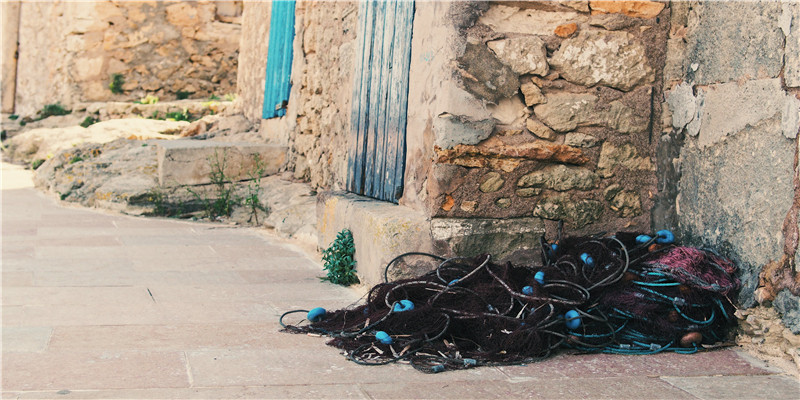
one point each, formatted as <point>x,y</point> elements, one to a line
<point>50,110</point>
<point>88,121</point>
<point>179,115</point>
<point>117,80</point>
<point>36,163</point>
<point>339,260</point>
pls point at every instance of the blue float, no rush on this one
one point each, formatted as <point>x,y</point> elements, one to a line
<point>539,277</point>
<point>587,259</point>
<point>527,290</point>
<point>403,305</point>
<point>316,314</point>
<point>642,239</point>
<point>665,237</point>
<point>572,319</point>
<point>383,337</point>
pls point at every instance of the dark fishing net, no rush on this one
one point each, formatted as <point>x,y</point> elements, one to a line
<point>627,294</point>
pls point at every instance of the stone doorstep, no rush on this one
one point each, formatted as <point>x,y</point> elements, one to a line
<point>189,162</point>
<point>382,231</point>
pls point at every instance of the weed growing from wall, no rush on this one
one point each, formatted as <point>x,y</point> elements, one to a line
<point>50,110</point>
<point>223,201</point>
<point>89,121</point>
<point>339,260</point>
<point>251,198</point>
<point>117,80</point>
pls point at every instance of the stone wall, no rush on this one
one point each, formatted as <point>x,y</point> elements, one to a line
<point>545,111</point>
<point>10,27</point>
<point>253,58</point>
<point>728,146</point>
<point>68,51</point>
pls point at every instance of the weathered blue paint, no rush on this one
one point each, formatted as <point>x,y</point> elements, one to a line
<point>376,155</point>
<point>279,59</point>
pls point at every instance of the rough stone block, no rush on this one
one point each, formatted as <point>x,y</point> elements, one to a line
<point>734,196</point>
<point>614,59</point>
<point>566,111</point>
<point>525,55</point>
<point>728,41</point>
<point>485,76</point>
<point>719,110</point>
<point>499,237</point>
<point>505,19</point>
<point>191,162</point>
<point>452,130</point>
<point>790,17</point>
<point>789,307</point>
<point>638,9</point>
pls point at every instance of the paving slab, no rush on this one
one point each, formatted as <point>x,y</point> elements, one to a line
<point>104,306</point>
<point>776,387</point>
<point>346,391</point>
<point>59,370</point>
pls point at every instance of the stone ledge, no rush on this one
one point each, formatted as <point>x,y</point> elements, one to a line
<point>188,162</point>
<point>382,231</point>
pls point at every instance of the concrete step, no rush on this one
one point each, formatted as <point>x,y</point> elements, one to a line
<point>192,162</point>
<point>382,231</point>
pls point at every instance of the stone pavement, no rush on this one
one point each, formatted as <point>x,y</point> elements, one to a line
<point>98,305</point>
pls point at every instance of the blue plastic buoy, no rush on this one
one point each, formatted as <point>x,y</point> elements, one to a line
<point>539,277</point>
<point>403,305</point>
<point>572,319</point>
<point>527,290</point>
<point>316,314</point>
<point>665,237</point>
<point>587,259</point>
<point>383,337</point>
<point>642,239</point>
<point>453,282</point>
<point>554,247</point>
<point>470,362</point>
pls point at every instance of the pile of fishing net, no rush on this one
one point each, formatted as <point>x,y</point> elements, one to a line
<point>627,293</point>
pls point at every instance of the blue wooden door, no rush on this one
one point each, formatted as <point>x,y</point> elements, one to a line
<point>279,59</point>
<point>377,142</point>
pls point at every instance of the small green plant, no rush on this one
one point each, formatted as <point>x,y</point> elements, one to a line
<point>213,97</point>
<point>149,99</point>
<point>179,115</point>
<point>182,94</point>
<point>230,97</point>
<point>224,199</point>
<point>13,117</point>
<point>339,261</point>
<point>154,115</point>
<point>35,164</point>
<point>89,121</point>
<point>251,198</point>
<point>50,110</point>
<point>117,80</point>
<point>76,159</point>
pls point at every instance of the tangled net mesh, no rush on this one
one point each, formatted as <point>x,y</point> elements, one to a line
<point>624,294</point>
